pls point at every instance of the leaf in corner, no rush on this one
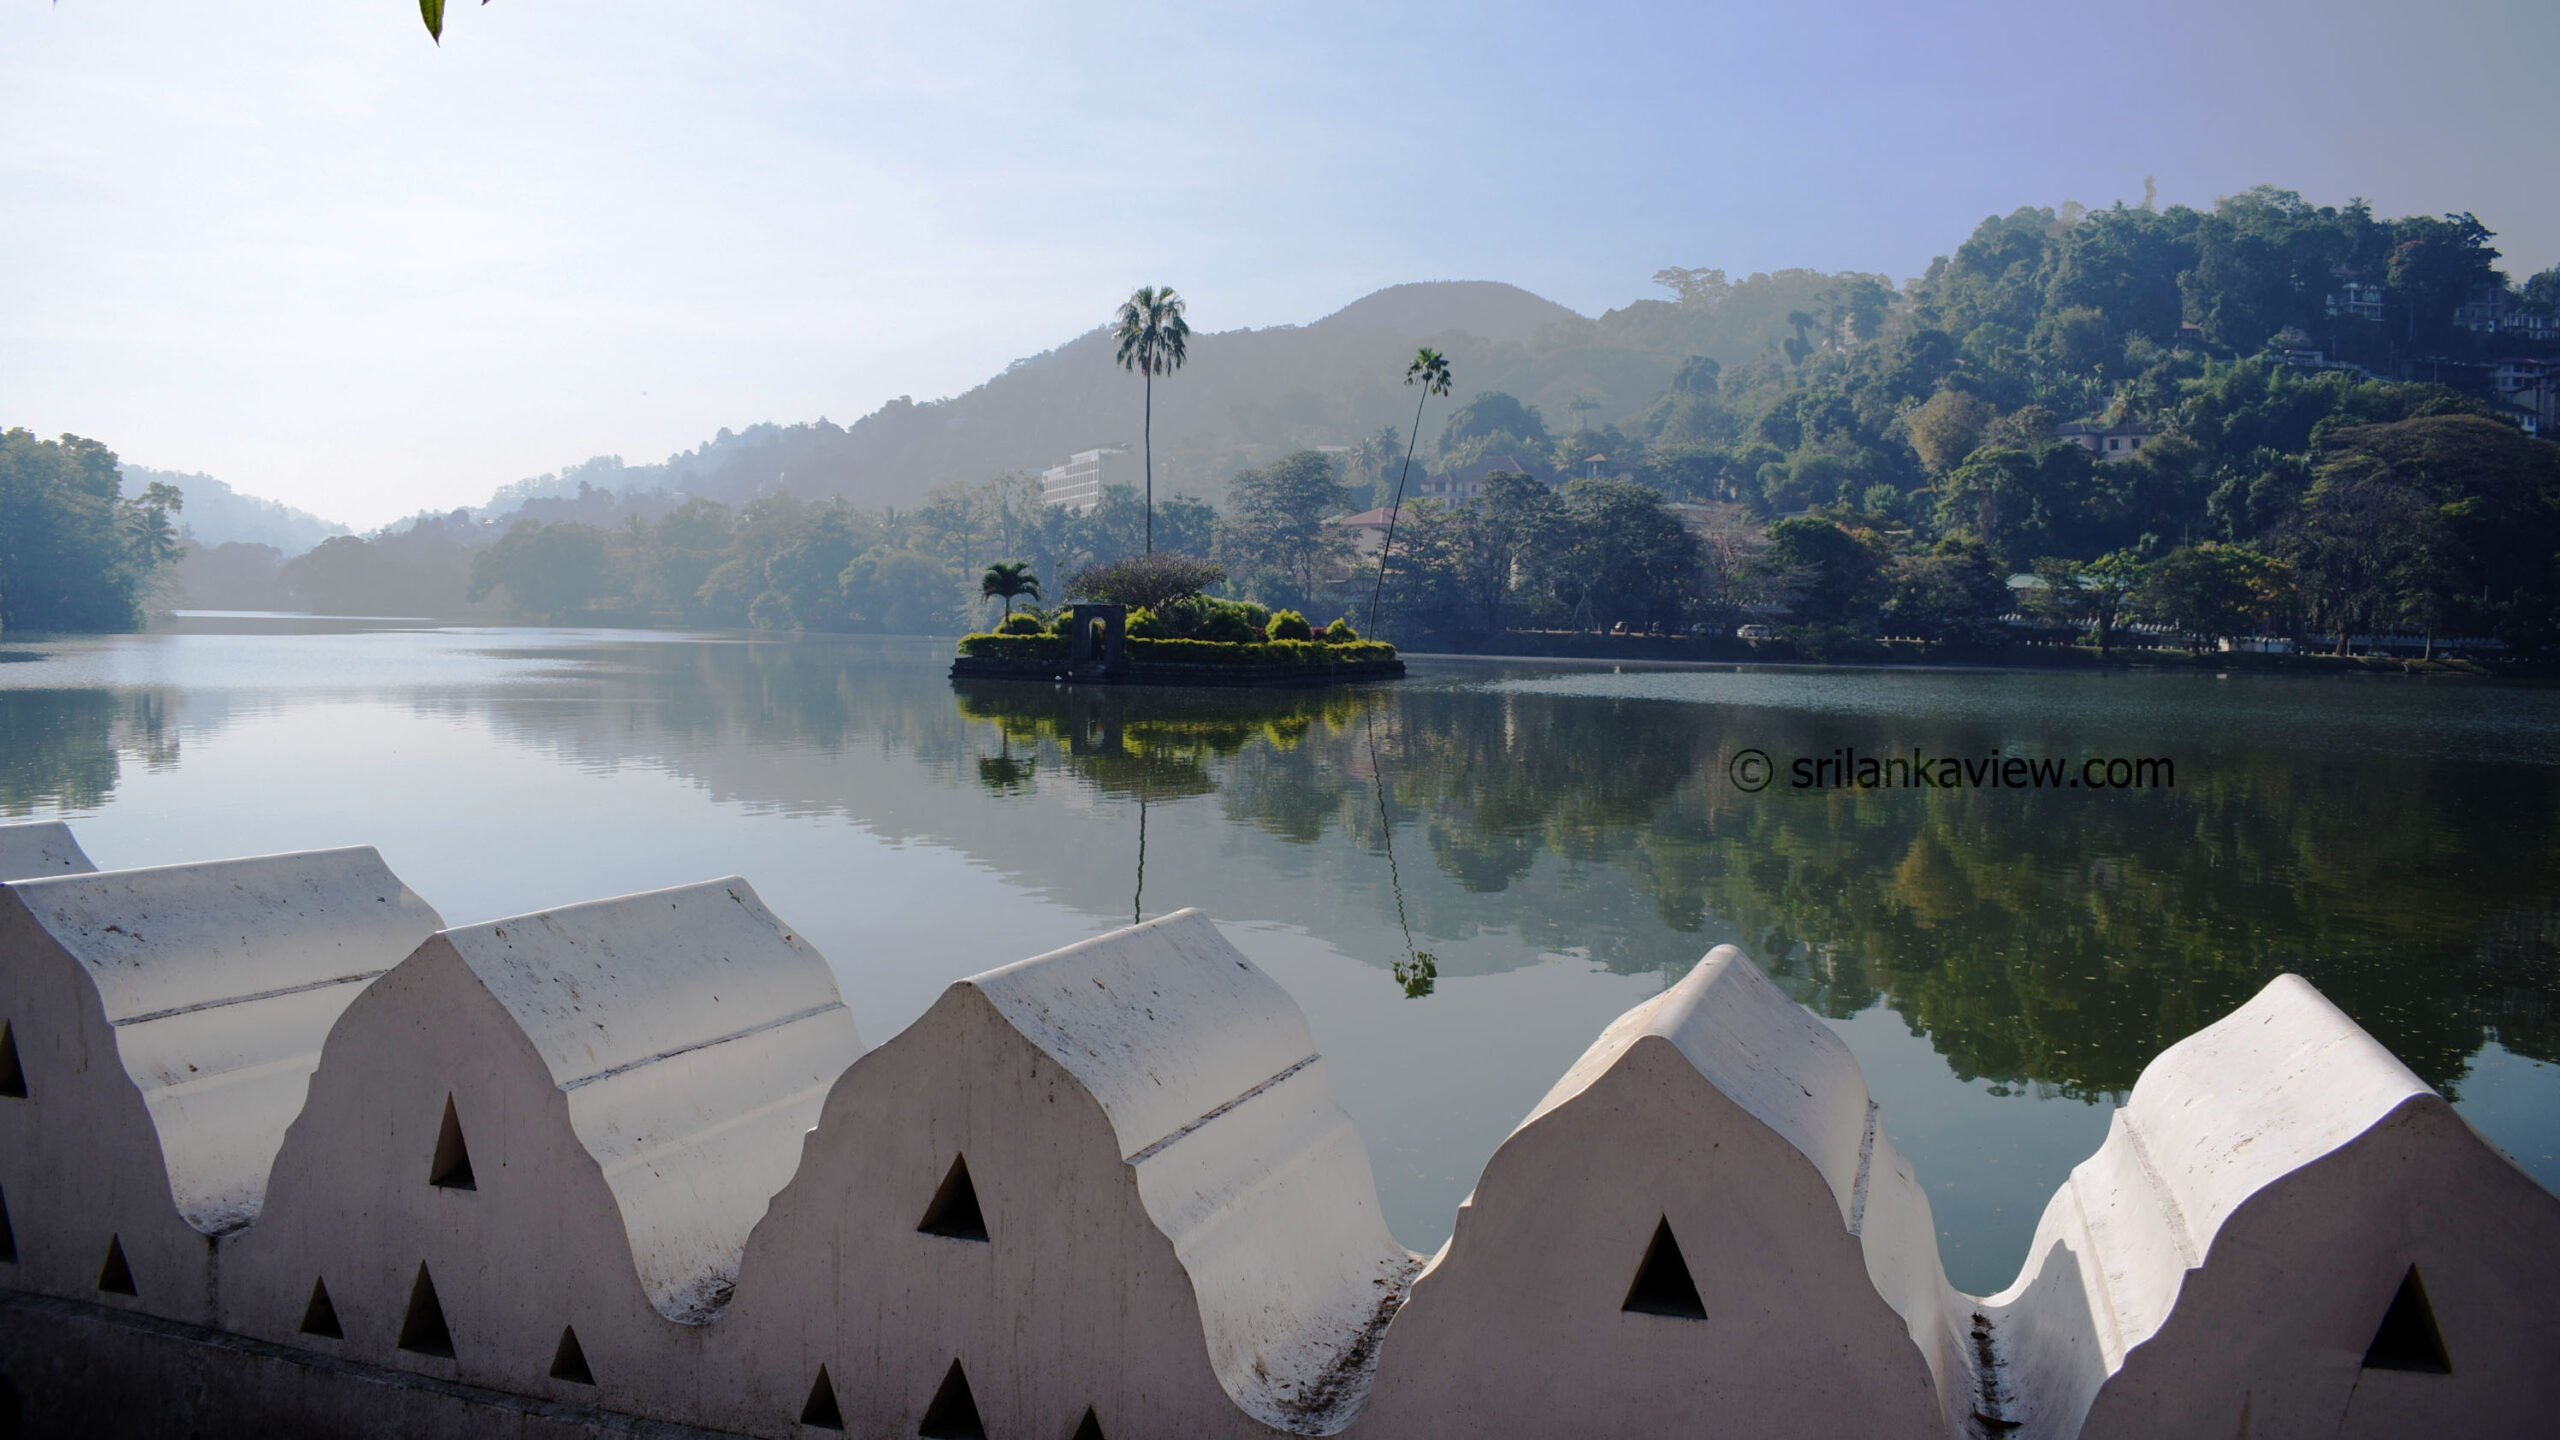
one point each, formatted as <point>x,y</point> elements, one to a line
<point>433,11</point>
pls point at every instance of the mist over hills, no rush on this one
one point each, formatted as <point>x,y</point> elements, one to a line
<point>216,514</point>
<point>1245,396</point>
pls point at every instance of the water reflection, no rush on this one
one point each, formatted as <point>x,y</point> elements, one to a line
<point>1462,876</point>
<point>2043,938</point>
<point>65,748</point>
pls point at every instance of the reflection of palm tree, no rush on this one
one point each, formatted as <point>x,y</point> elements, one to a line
<point>1152,334</point>
<point>1430,370</point>
<point>1008,580</point>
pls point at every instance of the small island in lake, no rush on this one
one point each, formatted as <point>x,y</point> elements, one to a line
<point>1147,621</point>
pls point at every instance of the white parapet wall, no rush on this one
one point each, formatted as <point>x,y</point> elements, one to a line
<point>33,849</point>
<point>535,1149</point>
<point>160,1027</point>
<point>2285,1234</point>
<point>1105,1192</point>
<point>1700,1230</point>
<point>279,1156</point>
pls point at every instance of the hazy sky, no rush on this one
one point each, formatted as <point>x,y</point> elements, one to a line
<point>296,245</point>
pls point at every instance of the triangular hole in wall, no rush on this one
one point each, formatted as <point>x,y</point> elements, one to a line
<point>954,1211</point>
<point>2408,1338</point>
<point>953,1415</point>
<point>452,1168</point>
<point>422,1329</point>
<point>569,1362</point>
<point>116,1277</point>
<point>13,1076</point>
<point>1090,1427</point>
<point>821,1411</point>
<point>8,1235</point>
<point>320,1316</point>
<point>1663,1286</point>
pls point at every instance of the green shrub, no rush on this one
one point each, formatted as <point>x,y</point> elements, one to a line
<point>1226,625</point>
<point>1289,625</point>
<point>1255,613</point>
<point>1284,652</point>
<point>989,646</point>
<point>1145,624</point>
<point>1340,632</point>
<point>1026,623</point>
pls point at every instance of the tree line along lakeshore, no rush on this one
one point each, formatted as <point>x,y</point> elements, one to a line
<point>2321,414</point>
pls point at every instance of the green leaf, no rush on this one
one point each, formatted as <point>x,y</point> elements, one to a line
<point>433,10</point>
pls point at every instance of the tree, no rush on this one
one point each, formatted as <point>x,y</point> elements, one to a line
<point>2096,594</point>
<point>1822,574</point>
<point>1279,532</point>
<point>1430,370</point>
<point>1008,580</point>
<point>1624,557</point>
<point>1947,429</point>
<point>1153,337</point>
<point>1953,594</point>
<point>2213,592</point>
<point>70,556</point>
<point>1145,581</point>
<point>551,573</point>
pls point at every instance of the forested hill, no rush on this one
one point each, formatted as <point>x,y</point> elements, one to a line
<point>2087,315</point>
<point>1244,398</point>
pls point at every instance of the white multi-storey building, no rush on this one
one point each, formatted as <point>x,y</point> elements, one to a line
<point>1077,484</point>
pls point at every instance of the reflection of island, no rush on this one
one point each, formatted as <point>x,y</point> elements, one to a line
<point>2036,937</point>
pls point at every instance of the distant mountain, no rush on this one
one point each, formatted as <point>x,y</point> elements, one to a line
<point>215,514</point>
<point>1245,397</point>
<point>1486,309</point>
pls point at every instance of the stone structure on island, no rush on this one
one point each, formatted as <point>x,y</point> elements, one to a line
<point>279,1155</point>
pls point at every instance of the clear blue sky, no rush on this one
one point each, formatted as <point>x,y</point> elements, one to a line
<point>295,244</point>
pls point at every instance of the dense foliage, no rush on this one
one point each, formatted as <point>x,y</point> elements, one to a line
<point>74,554</point>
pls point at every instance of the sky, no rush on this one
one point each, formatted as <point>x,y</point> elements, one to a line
<point>301,247</point>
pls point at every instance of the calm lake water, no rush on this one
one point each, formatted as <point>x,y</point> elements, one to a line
<point>1561,840</point>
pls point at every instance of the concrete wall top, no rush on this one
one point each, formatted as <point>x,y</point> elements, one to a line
<point>611,984</point>
<point>1161,1022</point>
<point>220,981</point>
<point>2316,1080</point>
<point>1765,1052</point>
<point>695,1036</point>
<point>36,848</point>
<point>1208,1075</point>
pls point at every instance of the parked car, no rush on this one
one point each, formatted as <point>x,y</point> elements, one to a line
<point>1756,632</point>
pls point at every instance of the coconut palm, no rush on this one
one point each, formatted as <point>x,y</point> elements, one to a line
<point>1007,579</point>
<point>1430,370</point>
<point>1152,333</point>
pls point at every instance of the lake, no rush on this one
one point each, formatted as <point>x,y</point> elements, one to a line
<point>1559,840</point>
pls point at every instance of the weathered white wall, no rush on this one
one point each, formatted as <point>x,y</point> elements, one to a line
<point>2221,1265</point>
<point>632,1079</point>
<point>167,1021</point>
<point>663,1096</point>
<point>35,848</point>
<point>1182,1229</point>
<point>1723,1108</point>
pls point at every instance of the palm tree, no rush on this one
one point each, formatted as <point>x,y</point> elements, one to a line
<point>1007,579</point>
<point>1151,334</point>
<point>1430,370</point>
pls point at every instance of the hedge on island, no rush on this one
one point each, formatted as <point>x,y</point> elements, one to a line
<point>996,646</point>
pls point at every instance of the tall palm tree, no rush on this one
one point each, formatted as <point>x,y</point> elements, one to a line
<point>1007,579</point>
<point>1430,370</point>
<point>1152,333</point>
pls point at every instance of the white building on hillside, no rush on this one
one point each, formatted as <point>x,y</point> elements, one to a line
<point>1077,484</point>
